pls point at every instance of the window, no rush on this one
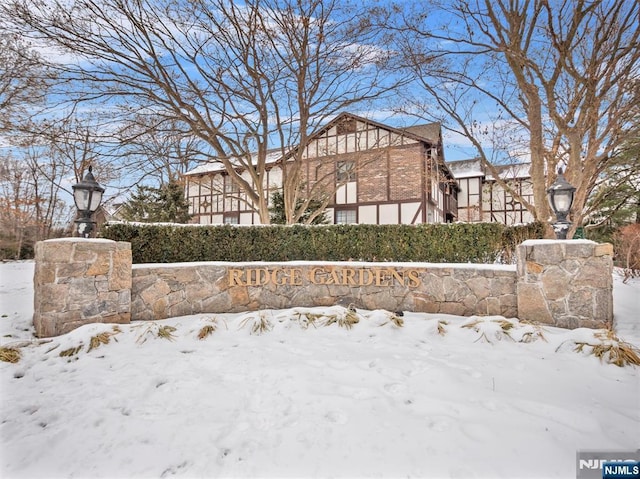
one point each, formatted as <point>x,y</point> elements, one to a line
<point>346,171</point>
<point>345,217</point>
<point>231,219</point>
<point>230,186</point>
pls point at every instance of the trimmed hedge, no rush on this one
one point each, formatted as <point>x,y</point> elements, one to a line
<point>434,243</point>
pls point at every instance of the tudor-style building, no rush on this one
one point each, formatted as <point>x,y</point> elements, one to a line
<point>482,199</point>
<point>374,173</point>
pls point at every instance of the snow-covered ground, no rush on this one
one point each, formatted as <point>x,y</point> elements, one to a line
<point>441,396</point>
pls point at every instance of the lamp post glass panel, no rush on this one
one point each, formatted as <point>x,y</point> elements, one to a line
<point>560,195</point>
<point>87,195</point>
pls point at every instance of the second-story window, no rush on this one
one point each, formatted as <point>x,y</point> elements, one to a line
<point>230,186</point>
<point>346,171</point>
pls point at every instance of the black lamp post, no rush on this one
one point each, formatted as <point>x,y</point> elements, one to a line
<point>87,195</point>
<point>560,195</point>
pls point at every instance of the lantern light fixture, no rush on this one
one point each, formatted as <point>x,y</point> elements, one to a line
<point>87,195</point>
<point>560,195</point>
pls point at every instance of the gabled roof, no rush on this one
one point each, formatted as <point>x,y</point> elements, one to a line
<point>429,133</point>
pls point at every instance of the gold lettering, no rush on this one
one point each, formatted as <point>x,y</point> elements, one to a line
<point>383,278</point>
<point>278,279</point>
<point>321,275</point>
<point>361,275</point>
<point>235,277</point>
<point>414,279</point>
<point>399,277</point>
<point>262,276</point>
<point>313,276</point>
<point>295,279</point>
<point>347,277</point>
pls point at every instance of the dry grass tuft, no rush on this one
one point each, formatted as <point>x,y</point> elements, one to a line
<point>209,329</point>
<point>260,325</point>
<point>103,338</point>
<point>206,331</point>
<point>97,340</point>
<point>166,332</point>
<point>67,353</point>
<point>531,336</point>
<point>504,324</point>
<point>441,327</point>
<point>308,319</point>
<point>472,325</point>
<point>610,349</point>
<point>346,318</point>
<point>350,318</point>
<point>395,320</point>
<point>9,355</point>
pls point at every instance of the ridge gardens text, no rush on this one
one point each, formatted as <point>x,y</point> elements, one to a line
<point>320,275</point>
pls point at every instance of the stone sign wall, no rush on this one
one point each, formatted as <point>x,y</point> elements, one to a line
<point>566,283</point>
<point>80,281</point>
<point>562,283</point>
<point>163,291</point>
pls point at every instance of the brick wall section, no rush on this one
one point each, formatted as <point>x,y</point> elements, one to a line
<point>164,291</point>
<point>406,173</point>
<point>373,176</point>
<point>376,183</point>
<point>566,283</point>
<point>80,281</point>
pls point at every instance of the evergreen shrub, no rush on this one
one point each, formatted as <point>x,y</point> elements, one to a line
<point>433,243</point>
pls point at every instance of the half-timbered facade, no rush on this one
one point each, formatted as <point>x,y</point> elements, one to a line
<point>482,199</point>
<point>373,173</point>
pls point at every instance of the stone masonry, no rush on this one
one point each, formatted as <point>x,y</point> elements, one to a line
<point>568,284</point>
<point>162,291</point>
<point>80,281</point>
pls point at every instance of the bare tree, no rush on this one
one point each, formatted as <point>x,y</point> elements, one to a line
<point>23,79</point>
<point>242,78</point>
<point>16,206</point>
<point>47,157</point>
<point>31,207</point>
<point>160,150</point>
<point>555,79</point>
<point>616,197</point>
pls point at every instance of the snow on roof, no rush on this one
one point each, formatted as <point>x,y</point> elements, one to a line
<point>474,168</point>
<point>466,168</point>
<point>214,165</point>
<point>515,170</point>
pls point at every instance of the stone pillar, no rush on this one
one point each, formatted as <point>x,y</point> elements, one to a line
<point>565,283</point>
<point>80,281</point>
